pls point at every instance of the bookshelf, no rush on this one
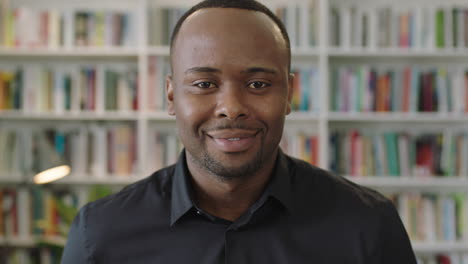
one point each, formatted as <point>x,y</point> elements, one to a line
<point>323,39</point>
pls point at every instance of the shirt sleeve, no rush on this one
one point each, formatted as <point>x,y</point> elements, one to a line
<point>77,249</point>
<point>396,243</point>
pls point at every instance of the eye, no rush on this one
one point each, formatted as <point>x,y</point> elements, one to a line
<point>205,85</point>
<point>257,85</point>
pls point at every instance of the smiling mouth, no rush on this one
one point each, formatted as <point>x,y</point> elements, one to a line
<point>233,140</point>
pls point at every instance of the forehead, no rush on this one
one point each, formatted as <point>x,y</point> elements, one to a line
<point>228,36</point>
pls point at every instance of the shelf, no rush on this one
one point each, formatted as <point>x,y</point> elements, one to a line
<point>437,184</point>
<point>439,247</point>
<point>70,52</point>
<point>85,180</point>
<point>32,241</point>
<point>303,117</point>
<point>158,50</point>
<point>159,116</point>
<point>396,117</point>
<point>397,52</point>
<point>296,51</point>
<point>71,116</point>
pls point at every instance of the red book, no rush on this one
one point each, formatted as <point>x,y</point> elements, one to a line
<point>315,150</point>
<point>466,91</point>
<point>425,155</point>
<point>406,89</point>
<point>442,259</point>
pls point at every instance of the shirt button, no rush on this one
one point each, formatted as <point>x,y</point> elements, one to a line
<point>198,212</point>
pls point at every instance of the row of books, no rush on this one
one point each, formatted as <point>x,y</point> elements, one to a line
<point>453,258</point>
<point>366,88</point>
<point>300,21</point>
<point>25,27</point>
<point>360,152</point>
<point>34,213</point>
<point>410,26</point>
<point>301,145</point>
<point>306,89</point>
<point>432,217</point>
<point>31,256</point>
<point>95,150</point>
<point>69,87</point>
<point>164,149</point>
<point>158,69</point>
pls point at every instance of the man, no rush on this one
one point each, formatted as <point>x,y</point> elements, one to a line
<point>233,196</point>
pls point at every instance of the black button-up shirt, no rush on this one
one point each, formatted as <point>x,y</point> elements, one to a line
<point>305,215</point>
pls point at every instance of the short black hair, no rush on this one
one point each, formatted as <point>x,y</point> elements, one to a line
<point>240,4</point>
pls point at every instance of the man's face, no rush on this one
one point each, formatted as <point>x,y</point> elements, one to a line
<point>230,90</point>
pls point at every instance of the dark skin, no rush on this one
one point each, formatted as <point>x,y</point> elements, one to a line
<point>230,92</point>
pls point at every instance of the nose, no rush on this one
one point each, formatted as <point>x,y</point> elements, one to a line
<point>231,104</point>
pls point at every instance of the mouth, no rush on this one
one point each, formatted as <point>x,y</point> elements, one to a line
<point>233,140</point>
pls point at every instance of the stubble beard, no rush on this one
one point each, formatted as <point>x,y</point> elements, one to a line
<point>223,171</point>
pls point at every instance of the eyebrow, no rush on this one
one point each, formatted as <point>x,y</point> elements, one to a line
<point>202,69</point>
<point>260,69</point>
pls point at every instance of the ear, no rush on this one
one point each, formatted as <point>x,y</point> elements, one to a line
<point>290,92</point>
<point>170,95</point>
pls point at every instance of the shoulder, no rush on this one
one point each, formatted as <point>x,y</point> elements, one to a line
<point>149,195</point>
<point>333,191</point>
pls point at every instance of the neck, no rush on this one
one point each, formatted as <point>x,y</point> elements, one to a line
<point>228,199</point>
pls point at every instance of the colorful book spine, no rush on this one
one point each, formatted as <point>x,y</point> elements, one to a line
<point>399,153</point>
<point>403,27</point>
<point>364,88</point>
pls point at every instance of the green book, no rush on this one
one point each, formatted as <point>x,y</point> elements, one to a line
<point>111,79</point>
<point>392,154</point>
<point>440,43</point>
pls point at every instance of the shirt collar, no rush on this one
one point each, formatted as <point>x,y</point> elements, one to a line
<point>181,190</point>
<point>279,186</point>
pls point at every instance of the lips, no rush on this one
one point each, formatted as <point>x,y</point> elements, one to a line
<point>233,140</point>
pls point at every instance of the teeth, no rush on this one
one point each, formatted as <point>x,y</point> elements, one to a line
<point>233,139</point>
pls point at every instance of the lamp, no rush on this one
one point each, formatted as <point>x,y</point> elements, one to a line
<point>49,165</point>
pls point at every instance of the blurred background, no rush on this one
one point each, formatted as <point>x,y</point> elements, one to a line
<point>380,97</point>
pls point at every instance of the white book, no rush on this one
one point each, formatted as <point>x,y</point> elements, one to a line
<point>442,90</point>
<point>458,91</point>
<point>394,26</point>
<point>357,26</point>
<point>68,27</point>
<point>17,155</point>
<point>373,28</point>
<point>448,27</point>
<point>315,92</point>
<point>345,27</point>
<point>430,24</point>
<point>417,26</point>
<point>404,158</point>
<point>59,93</point>
<point>24,213</point>
<point>100,88</point>
<point>98,166</point>
<point>429,220</point>
<point>53,29</point>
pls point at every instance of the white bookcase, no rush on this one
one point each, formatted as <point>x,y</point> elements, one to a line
<point>321,123</point>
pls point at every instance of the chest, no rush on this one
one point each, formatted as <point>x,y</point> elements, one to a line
<point>207,243</point>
